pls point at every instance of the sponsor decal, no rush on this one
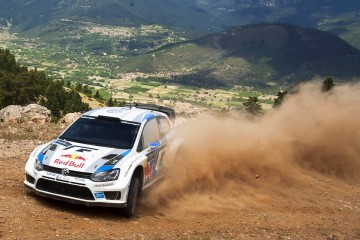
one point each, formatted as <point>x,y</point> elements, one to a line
<point>103,185</point>
<point>71,160</point>
<point>153,163</point>
<point>99,195</point>
<point>51,174</point>
<point>147,170</point>
<point>118,110</point>
<point>69,163</point>
<point>80,148</point>
<point>130,123</point>
<point>63,143</point>
<point>87,117</point>
<point>150,165</point>
<point>73,156</point>
<point>79,179</point>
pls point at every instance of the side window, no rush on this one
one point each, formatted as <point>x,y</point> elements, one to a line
<point>164,125</point>
<point>149,134</point>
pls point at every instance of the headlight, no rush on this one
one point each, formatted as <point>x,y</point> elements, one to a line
<point>104,176</point>
<point>38,165</point>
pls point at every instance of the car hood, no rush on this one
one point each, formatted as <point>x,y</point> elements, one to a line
<point>80,157</point>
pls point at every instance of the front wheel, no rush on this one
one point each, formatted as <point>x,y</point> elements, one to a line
<point>129,210</point>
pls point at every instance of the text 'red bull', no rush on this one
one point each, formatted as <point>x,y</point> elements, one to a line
<point>69,163</point>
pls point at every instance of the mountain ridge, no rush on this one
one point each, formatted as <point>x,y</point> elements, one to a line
<point>202,15</point>
<point>262,54</point>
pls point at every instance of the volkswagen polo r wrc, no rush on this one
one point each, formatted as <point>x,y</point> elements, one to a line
<point>105,158</point>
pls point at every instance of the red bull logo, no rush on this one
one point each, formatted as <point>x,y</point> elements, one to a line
<point>73,156</point>
<point>71,160</point>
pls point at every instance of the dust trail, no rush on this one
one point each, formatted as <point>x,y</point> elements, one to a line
<point>240,160</point>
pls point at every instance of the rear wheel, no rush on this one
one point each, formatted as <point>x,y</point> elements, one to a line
<point>133,193</point>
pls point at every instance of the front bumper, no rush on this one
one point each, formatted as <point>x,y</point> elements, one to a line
<point>76,190</point>
<point>75,201</point>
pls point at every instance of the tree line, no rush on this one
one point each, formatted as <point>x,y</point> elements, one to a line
<point>21,86</point>
<point>253,106</point>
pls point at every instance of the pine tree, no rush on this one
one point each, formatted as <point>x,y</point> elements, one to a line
<point>280,98</point>
<point>79,87</point>
<point>253,106</point>
<point>56,97</point>
<point>110,102</point>
<point>328,84</point>
<point>21,86</point>
<point>97,95</point>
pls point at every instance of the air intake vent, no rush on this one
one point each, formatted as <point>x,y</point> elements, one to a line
<point>112,195</point>
<point>29,179</point>
<point>64,189</point>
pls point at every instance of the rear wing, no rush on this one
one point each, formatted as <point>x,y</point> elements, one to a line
<point>168,111</point>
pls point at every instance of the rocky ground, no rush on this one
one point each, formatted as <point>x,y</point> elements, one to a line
<point>327,208</point>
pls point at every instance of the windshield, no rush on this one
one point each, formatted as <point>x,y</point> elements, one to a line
<point>102,131</point>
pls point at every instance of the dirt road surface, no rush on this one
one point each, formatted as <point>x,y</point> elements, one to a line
<point>321,207</point>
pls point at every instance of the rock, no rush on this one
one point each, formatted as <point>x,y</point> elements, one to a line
<point>36,113</point>
<point>31,113</point>
<point>70,117</point>
<point>11,113</point>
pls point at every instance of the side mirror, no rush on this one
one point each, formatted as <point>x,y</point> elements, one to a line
<point>154,145</point>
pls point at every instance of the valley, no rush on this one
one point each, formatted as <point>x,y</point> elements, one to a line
<point>152,64</point>
<point>100,68</point>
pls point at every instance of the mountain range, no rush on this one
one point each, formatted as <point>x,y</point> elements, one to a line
<point>254,55</point>
<point>205,16</point>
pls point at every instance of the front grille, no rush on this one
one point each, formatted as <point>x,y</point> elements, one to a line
<point>113,195</point>
<point>64,189</point>
<point>29,178</point>
<point>71,172</point>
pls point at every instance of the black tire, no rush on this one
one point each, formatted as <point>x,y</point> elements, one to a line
<point>129,210</point>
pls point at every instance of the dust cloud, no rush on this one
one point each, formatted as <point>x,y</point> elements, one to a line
<point>227,161</point>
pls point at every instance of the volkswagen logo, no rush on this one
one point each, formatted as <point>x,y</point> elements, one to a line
<point>65,171</point>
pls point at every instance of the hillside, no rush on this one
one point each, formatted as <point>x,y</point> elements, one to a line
<point>254,55</point>
<point>26,15</point>
<point>20,86</point>
<point>206,16</point>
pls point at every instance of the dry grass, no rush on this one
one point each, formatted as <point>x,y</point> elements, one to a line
<point>25,131</point>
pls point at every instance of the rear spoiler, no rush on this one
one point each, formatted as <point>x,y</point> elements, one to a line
<point>168,111</point>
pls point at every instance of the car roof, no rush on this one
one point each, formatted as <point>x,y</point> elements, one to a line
<point>132,114</point>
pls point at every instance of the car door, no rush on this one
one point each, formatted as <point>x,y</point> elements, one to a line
<point>150,135</point>
<point>152,144</point>
<point>164,128</point>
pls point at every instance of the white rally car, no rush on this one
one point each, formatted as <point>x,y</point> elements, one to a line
<point>105,158</point>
